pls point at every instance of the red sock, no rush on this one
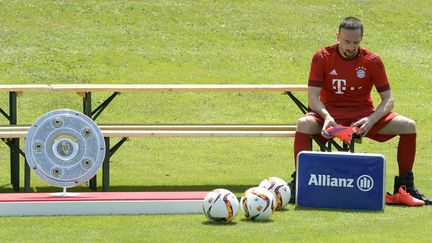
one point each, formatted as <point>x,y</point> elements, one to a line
<point>406,152</point>
<point>302,142</point>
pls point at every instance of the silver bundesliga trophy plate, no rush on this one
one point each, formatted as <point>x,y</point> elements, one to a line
<point>65,148</point>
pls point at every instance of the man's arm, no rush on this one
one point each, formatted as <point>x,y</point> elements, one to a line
<point>317,106</point>
<point>386,105</point>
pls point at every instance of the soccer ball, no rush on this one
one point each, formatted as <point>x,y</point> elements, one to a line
<point>220,206</point>
<point>257,203</point>
<point>280,190</point>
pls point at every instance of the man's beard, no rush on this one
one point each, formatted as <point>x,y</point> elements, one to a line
<point>350,54</point>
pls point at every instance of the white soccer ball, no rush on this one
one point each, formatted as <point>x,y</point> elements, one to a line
<point>220,206</point>
<point>257,203</point>
<point>280,189</point>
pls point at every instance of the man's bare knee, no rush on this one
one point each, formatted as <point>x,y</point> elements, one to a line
<point>407,125</point>
<point>399,125</point>
<point>308,125</point>
<point>410,126</point>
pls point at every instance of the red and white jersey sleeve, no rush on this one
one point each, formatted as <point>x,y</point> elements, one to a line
<point>379,76</point>
<point>317,70</point>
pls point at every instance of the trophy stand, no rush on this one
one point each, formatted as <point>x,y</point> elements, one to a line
<point>64,193</point>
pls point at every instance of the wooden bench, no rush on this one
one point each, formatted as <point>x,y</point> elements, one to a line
<point>11,133</point>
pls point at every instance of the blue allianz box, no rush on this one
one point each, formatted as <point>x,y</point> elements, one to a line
<point>340,180</point>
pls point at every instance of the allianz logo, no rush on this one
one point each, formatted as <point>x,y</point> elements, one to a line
<point>363,183</point>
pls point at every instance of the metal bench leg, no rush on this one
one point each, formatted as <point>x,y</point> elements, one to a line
<point>26,177</point>
<point>351,146</point>
<point>106,166</point>
<point>15,166</point>
<point>14,155</point>
<point>345,147</point>
<point>16,149</point>
<point>87,110</point>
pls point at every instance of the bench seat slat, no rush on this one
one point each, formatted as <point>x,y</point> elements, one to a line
<point>170,133</point>
<point>159,133</point>
<point>13,134</point>
<point>188,127</point>
<point>24,87</point>
<point>201,127</point>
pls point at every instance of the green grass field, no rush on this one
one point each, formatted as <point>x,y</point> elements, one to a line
<point>210,42</point>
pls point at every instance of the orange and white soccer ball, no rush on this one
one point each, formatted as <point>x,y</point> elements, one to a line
<point>220,206</point>
<point>257,203</point>
<point>280,189</point>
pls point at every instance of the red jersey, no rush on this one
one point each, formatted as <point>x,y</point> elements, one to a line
<point>347,83</point>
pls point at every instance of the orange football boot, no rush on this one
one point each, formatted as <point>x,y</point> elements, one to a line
<point>342,132</point>
<point>403,197</point>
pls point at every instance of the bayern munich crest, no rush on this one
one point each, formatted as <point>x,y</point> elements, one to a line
<point>360,72</point>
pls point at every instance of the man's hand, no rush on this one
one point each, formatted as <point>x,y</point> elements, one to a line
<point>364,125</point>
<point>328,122</point>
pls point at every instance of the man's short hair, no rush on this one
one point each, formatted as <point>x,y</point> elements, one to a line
<point>351,23</point>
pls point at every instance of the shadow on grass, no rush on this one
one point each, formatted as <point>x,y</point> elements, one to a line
<point>283,210</point>
<point>363,211</point>
<point>208,223</point>
<point>154,188</point>
<point>256,221</point>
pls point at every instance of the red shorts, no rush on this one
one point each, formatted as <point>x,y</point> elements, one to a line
<point>373,132</point>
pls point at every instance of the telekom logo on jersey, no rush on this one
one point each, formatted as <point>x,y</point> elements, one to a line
<point>339,85</point>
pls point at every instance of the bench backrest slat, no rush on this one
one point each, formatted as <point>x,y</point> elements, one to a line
<point>80,88</point>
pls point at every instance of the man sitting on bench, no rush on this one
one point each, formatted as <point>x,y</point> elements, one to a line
<point>340,83</point>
